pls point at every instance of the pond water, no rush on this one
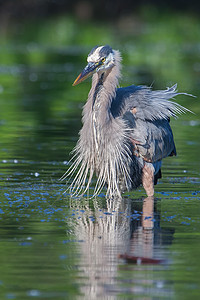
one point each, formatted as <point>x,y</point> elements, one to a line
<point>55,247</point>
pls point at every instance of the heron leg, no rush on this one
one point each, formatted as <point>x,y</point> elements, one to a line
<point>148,179</point>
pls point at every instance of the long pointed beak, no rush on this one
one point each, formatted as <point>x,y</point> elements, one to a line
<point>87,72</point>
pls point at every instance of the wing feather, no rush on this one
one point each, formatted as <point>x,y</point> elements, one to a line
<point>147,114</point>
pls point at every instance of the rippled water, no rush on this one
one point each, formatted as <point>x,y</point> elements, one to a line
<point>55,247</point>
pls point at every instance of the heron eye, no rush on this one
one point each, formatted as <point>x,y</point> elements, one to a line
<point>103,60</point>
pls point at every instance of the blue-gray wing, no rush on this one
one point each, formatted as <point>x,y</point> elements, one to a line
<point>147,114</point>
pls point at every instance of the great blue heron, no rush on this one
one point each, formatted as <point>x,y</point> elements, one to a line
<point>125,133</point>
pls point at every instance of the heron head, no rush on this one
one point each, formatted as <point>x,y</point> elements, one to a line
<point>99,59</point>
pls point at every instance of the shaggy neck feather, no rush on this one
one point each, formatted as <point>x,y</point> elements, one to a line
<point>102,93</point>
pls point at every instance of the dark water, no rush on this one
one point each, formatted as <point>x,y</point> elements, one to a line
<point>54,247</point>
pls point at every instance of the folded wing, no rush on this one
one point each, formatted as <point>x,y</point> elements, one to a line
<point>147,114</point>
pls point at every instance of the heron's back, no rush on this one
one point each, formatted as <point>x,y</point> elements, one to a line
<point>147,114</point>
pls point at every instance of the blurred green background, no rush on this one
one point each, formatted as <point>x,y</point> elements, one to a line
<point>44,45</point>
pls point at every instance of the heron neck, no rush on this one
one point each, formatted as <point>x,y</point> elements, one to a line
<point>103,90</point>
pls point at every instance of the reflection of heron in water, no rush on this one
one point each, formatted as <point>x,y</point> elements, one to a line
<point>125,133</point>
<point>106,233</point>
